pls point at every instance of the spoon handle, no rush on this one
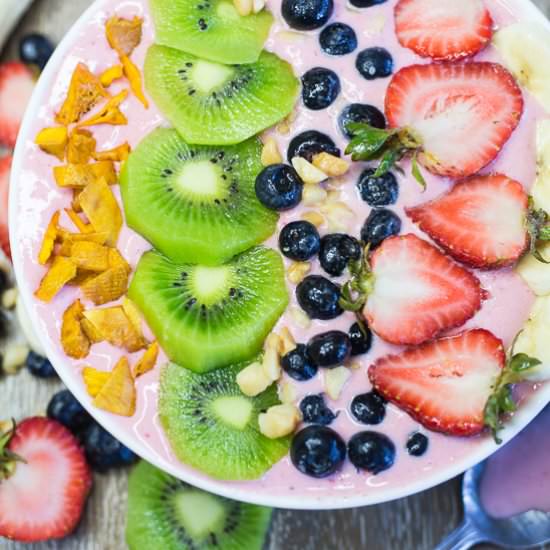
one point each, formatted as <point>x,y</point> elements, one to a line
<point>463,537</point>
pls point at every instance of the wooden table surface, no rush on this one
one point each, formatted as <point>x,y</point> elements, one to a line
<point>415,523</point>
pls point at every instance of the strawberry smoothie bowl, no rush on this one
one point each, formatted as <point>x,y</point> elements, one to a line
<point>293,252</point>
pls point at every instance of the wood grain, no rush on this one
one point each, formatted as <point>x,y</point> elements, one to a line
<point>415,523</point>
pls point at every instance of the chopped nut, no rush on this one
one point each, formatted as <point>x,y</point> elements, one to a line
<point>307,172</point>
<point>270,152</point>
<point>330,165</point>
<point>290,36</point>
<point>355,365</point>
<point>313,194</point>
<point>53,141</point>
<point>287,341</point>
<point>9,298</point>
<point>253,380</point>
<point>271,364</point>
<point>335,380</point>
<point>287,392</point>
<point>338,215</point>
<point>297,271</point>
<point>300,317</point>
<point>279,420</point>
<point>314,217</point>
<point>258,6</point>
<point>283,128</point>
<point>110,75</point>
<point>14,357</point>
<point>243,7</point>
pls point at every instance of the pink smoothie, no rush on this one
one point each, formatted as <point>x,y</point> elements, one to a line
<point>504,313</point>
<point>517,478</point>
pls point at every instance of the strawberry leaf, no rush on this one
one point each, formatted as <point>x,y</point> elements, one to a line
<point>417,174</point>
<point>7,457</point>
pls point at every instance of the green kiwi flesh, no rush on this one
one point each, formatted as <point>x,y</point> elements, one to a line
<point>210,28</point>
<point>166,513</point>
<point>196,204</point>
<point>213,427</point>
<point>209,103</point>
<point>207,317</point>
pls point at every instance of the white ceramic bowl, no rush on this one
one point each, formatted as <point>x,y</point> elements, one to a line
<point>526,413</point>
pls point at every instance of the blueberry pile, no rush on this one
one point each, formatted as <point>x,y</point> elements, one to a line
<point>103,451</point>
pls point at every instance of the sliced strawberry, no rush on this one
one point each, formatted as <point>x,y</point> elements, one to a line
<point>418,292</point>
<point>16,86</point>
<point>45,495</point>
<point>444,384</point>
<point>5,166</point>
<point>443,29</point>
<point>462,113</point>
<point>481,221</point>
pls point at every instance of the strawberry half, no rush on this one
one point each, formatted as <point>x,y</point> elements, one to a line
<point>5,166</point>
<point>481,221</point>
<point>43,497</point>
<point>16,86</point>
<point>445,384</point>
<point>460,113</point>
<point>443,29</point>
<point>411,292</point>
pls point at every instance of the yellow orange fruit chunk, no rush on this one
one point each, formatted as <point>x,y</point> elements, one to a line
<point>48,242</point>
<point>118,393</point>
<point>73,339</point>
<point>60,273</point>
<point>81,146</point>
<point>53,141</point>
<point>94,379</point>
<point>79,176</point>
<point>148,360</point>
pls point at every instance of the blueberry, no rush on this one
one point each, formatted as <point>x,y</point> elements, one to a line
<point>39,366</point>
<point>338,39</point>
<point>279,187</point>
<point>317,451</point>
<point>360,341</point>
<point>319,297</point>
<point>371,451</point>
<point>329,349</point>
<point>374,63</point>
<point>299,241</point>
<point>378,191</point>
<point>380,225</point>
<point>368,408</point>
<point>35,49</point>
<point>103,451</point>
<point>311,143</point>
<point>64,408</point>
<point>360,112</point>
<point>298,364</point>
<point>315,411</point>
<point>4,280</point>
<point>365,3</point>
<point>306,15</point>
<point>336,252</point>
<point>320,88</point>
<point>417,444</point>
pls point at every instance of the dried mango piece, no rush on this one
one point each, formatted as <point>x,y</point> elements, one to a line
<point>80,147</point>
<point>133,75</point>
<point>84,92</point>
<point>110,75</point>
<point>102,209</point>
<point>75,203</point>
<point>117,154</point>
<point>79,223</point>
<point>107,286</point>
<point>82,277</point>
<point>65,236</point>
<point>147,361</point>
<point>53,141</point>
<point>90,331</point>
<point>110,113</point>
<point>75,343</point>
<point>94,379</point>
<point>118,394</point>
<point>115,327</point>
<point>60,273</point>
<point>81,175</point>
<point>117,260</point>
<point>123,35</point>
<point>90,256</point>
<point>132,312</point>
<point>49,240</point>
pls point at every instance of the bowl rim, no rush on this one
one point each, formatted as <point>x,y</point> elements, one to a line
<point>299,502</point>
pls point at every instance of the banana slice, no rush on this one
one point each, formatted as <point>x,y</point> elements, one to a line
<point>537,274</point>
<point>525,49</point>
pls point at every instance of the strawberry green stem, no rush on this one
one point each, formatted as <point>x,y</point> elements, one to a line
<point>8,459</point>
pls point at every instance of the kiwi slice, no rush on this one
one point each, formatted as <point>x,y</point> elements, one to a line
<point>166,513</point>
<point>213,427</point>
<point>194,203</point>
<point>207,317</point>
<point>210,28</point>
<point>215,104</point>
